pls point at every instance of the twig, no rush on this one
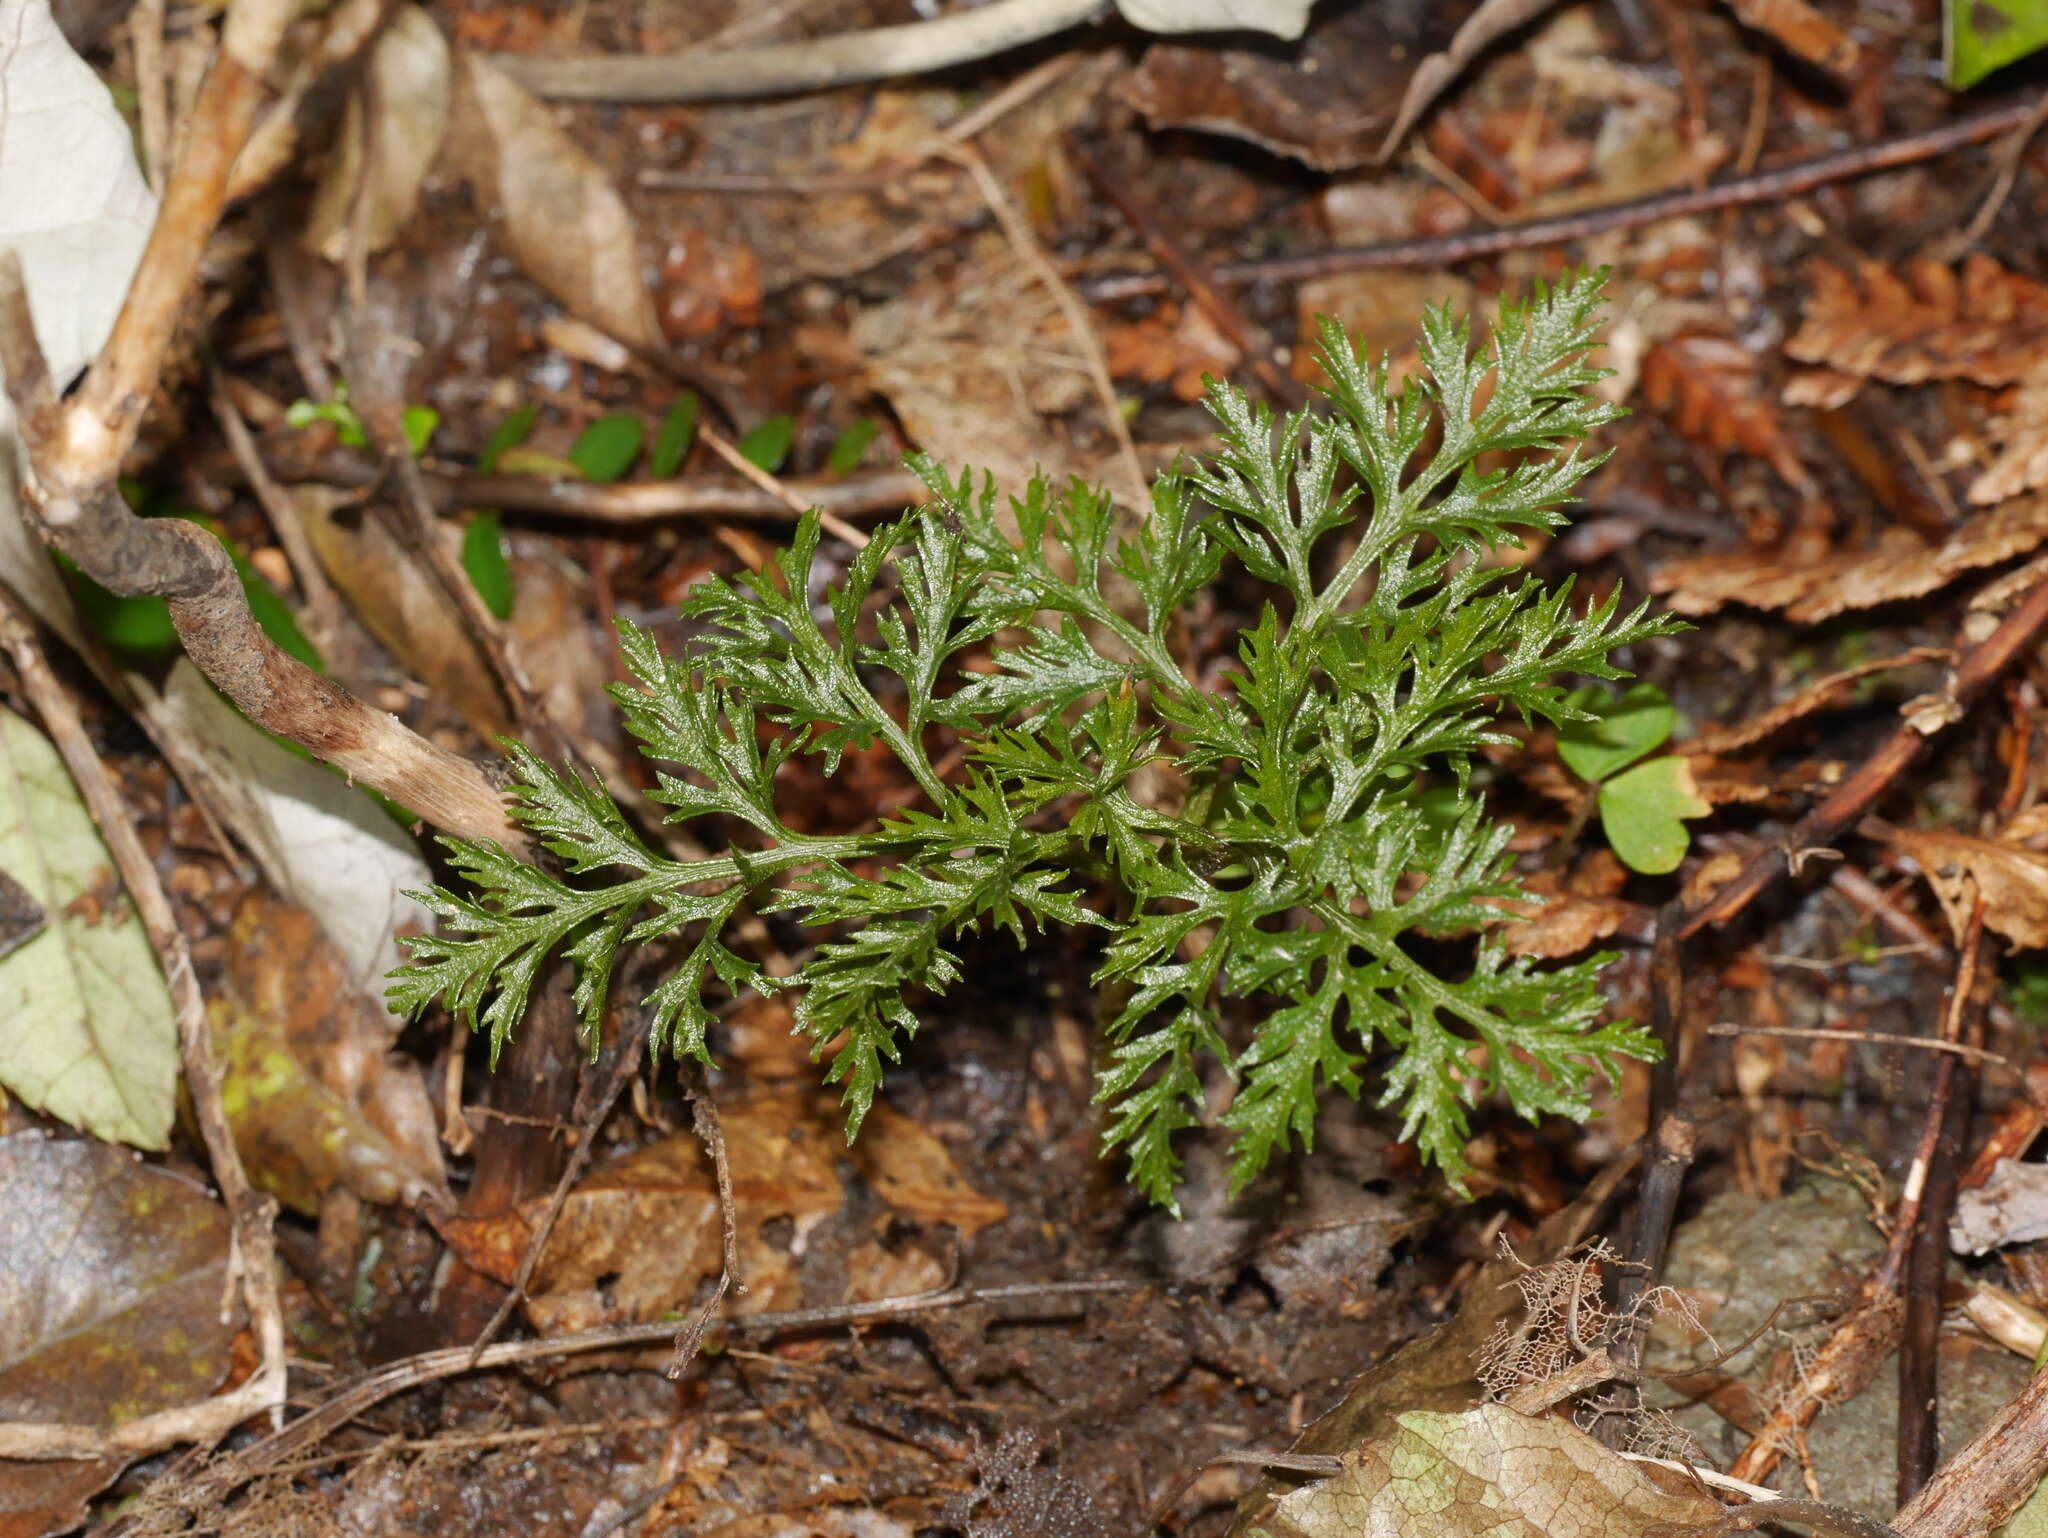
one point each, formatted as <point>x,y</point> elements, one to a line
<point>323,605</point>
<point>1026,245</point>
<point>784,68</point>
<point>1984,1483</point>
<point>353,1400</point>
<point>1926,1203</point>
<point>152,93</point>
<point>72,453</point>
<point>2007,158</point>
<point>862,493</point>
<point>724,448</point>
<point>1819,828</point>
<point>207,1421</point>
<point>711,1132</point>
<point>1878,1038</point>
<point>1768,186</point>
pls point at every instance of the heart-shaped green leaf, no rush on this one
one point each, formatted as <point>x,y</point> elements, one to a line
<point>1622,730</point>
<point>1644,811</point>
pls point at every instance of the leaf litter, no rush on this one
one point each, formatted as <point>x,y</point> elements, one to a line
<point>855,289</point>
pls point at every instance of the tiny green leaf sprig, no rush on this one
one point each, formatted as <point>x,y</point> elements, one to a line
<point>1297,870</point>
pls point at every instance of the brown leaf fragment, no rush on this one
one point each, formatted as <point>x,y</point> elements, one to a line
<point>1567,924</point>
<point>1901,566</point>
<point>641,1232</point>
<point>1826,389</point>
<point>112,1273</point>
<point>556,210</point>
<point>1803,32</point>
<point>2011,879</point>
<point>1985,324</point>
<point>2022,465</point>
<point>1709,384</point>
<point>1490,1473</point>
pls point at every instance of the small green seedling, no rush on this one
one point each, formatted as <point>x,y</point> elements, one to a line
<point>1644,808</point>
<point>767,446</point>
<point>417,422</point>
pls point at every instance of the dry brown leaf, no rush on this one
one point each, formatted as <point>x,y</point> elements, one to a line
<point>1171,346</point>
<point>1822,694</point>
<point>2011,879</point>
<point>1803,32</point>
<point>1825,389</point>
<point>1808,589</point>
<point>641,1232</point>
<point>2022,465</point>
<point>1567,924</point>
<point>554,208</point>
<point>408,84</point>
<point>1984,324</point>
<point>972,361</point>
<point>1710,385</point>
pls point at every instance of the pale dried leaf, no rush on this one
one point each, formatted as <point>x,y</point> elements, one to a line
<point>2011,879</point>
<point>1282,18</point>
<point>1489,1473</point>
<point>555,209</point>
<point>1986,324</point>
<point>2009,1208</point>
<point>408,85</point>
<point>1482,29</point>
<point>72,199</point>
<point>112,1275</point>
<point>88,1033</point>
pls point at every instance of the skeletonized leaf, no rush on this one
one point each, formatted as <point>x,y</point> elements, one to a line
<point>1488,1473</point>
<point>408,85</point>
<point>111,1278</point>
<point>89,1034</point>
<point>559,215</point>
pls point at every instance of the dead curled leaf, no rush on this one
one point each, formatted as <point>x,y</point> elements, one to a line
<point>641,1232</point>
<point>405,92</point>
<point>2011,880</point>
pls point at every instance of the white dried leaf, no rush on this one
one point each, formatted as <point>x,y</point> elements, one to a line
<point>1282,18</point>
